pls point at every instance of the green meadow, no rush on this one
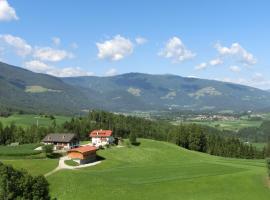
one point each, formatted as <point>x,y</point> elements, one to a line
<point>159,170</point>
<point>228,124</point>
<point>29,119</point>
<point>154,170</point>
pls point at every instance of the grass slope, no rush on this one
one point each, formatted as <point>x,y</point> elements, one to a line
<point>159,170</point>
<point>28,120</point>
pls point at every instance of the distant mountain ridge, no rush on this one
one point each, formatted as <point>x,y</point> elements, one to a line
<point>23,89</point>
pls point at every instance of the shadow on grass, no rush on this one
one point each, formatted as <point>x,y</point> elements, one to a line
<point>54,155</point>
<point>136,143</point>
<point>100,158</point>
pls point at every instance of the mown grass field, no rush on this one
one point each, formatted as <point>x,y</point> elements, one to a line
<point>233,125</point>
<point>154,170</point>
<point>28,120</point>
<point>25,157</point>
<point>159,170</point>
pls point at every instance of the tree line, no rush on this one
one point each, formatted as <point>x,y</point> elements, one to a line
<point>190,136</point>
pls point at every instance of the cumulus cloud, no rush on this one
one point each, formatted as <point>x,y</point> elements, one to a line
<point>235,68</point>
<point>176,51</point>
<point>201,66</point>
<point>256,80</point>
<point>115,49</point>
<point>111,72</point>
<point>215,62</point>
<point>50,54</point>
<point>237,51</point>
<point>19,45</point>
<point>41,67</point>
<point>7,13</point>
<point>37,66</point>
<point>56,41</point>
<point>140,40</point>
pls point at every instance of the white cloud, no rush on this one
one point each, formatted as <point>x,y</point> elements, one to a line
<point>235,68</point>
<point>256,80</point>
<point>201,66</point>
<point>50,54</point>
<point>21,47</point>
<point>70,72</point>
<point>115,49</point>
<point>215,62</point>
<point>111,72</point>
<point>140,40</point>
<point>176,50</point>
<point>41,67</point>
<point>56,41</point>
<point>37,66</point>
<point>7,13</point>
<point>236,50</point>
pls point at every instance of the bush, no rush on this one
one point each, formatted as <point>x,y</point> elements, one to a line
<point>133,138</point>
<point>48,149</point>
<point>268,166</point>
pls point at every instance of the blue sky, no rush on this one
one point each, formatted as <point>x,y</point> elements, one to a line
<point>223,40</point>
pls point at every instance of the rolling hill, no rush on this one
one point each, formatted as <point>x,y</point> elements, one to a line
<point>155,170</point>
<point>25,90</point>
<point>136,91</point>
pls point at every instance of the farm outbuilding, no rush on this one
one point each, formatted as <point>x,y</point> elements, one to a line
<point>83,154</point>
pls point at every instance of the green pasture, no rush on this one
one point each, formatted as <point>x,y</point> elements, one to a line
<point>28,120</point>
<point>233,125</point>
<point>152,171</point>
<point>159,170</point>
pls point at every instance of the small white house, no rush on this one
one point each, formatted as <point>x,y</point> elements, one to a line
<point>101,137</point>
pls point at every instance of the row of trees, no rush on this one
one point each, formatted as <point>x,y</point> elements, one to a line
<point>16,184</point>
<point>190,136</point>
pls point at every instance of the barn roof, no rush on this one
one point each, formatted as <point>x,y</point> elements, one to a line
<point>101,133</point>
<point>59,137</point>
<point>84,149</point>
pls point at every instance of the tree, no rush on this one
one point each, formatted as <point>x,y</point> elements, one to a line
<point>16,184</point>
<point>268,166</point>
<point>133,138</point>
<point>48,149</point>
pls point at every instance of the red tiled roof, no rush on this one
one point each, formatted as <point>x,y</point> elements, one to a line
<point>84,149</point>
<point>100,133</point>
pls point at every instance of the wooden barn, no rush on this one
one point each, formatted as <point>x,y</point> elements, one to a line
<point>83,154</point>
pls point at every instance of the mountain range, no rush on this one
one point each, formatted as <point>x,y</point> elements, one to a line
<point>34,92</point>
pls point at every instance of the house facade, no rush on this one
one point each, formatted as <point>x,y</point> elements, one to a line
<point>101,137</point>
<point>62,141</point>
<point>83,154</point>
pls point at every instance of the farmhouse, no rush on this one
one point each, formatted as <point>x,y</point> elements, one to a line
<point>61,141</point>
<point>83,154</point>
<point>101,137</point>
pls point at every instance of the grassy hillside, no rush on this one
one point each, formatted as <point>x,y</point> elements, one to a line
<point>159,170</point>
<point>28,120</point>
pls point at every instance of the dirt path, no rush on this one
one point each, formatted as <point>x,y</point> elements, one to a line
<point>63,165</point>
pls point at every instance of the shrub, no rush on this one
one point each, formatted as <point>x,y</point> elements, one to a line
<point>133,138</point>
<point>48,149</point>
<point>268,166</point>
